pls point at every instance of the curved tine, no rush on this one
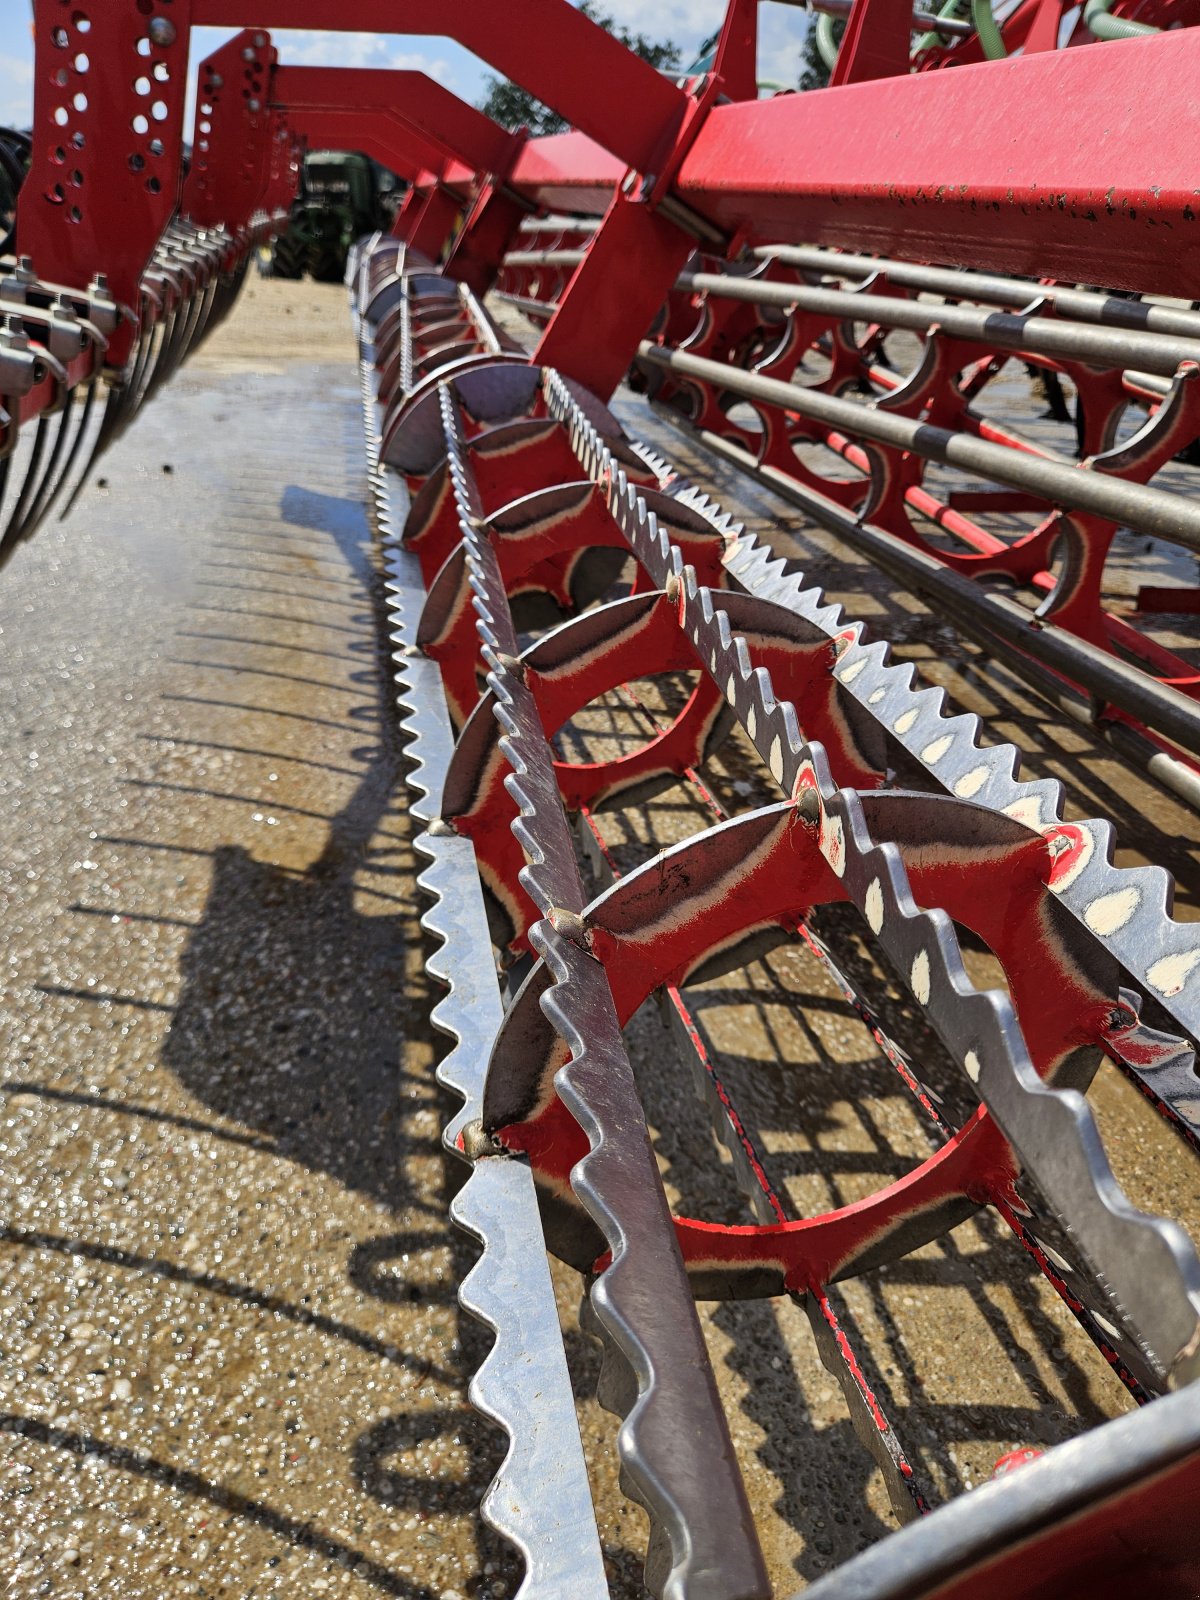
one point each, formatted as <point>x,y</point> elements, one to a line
<point>131,391</point>
<point>204,305</point>
<point>35,497</point>
<point>5,471</point>
<point>164,357</point>
<point>193,331</point>
<point>182,335</point>
<point>171,353</point>
<point>214,310</point>
<point>105,434</point>
<point>160,337</point>
<point>52,486</point>
<point>10,529</point>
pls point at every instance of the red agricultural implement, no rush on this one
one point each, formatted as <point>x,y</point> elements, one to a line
<point>822,289</point>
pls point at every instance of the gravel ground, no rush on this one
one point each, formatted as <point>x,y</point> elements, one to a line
<point>234,1364</point>
<point>232,1357</point>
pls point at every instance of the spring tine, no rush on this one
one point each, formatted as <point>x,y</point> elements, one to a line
<point>104,435</point>
<point>10,528</point>
<point>52,474</point>
<point>80,447</point>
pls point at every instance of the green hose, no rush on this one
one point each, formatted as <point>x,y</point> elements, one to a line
<point>932,39</point>
<point>1096,18</point>
<point>981,17</point>
<point>990,38</point>
<point>827,43</point>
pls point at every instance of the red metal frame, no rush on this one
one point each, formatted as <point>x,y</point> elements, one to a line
<point>552,49</point>
<point>104,178</point>
<point>376,133</point>
<point>231,142</point>
<point>979,169</point>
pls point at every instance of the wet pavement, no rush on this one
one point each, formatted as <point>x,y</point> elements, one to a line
<point>233,1363</point>
<point>231,1352</point>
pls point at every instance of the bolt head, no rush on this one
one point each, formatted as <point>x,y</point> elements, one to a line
<point>809,805</point>
<point>162,31</point>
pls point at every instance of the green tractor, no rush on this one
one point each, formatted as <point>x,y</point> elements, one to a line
<point>342,196</point>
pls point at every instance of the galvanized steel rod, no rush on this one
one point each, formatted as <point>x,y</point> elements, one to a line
<point>1171,335</point>
<point>1040,653</point>
<point>1098,346</point>
<point>1085,305</point>
<point>1149,510</point>
<point>560,224</point>
<point>1108,677</point>
<point>544,258</point>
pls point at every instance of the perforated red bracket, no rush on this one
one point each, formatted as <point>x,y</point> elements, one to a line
<point>231,147</point>
<point>283,178</point>
<point>105,176</point>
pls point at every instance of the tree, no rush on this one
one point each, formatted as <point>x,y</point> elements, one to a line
<point>513,107</point>
<point>814,74</point>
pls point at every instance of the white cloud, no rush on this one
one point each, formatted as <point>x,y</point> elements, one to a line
<point>300,48</point>
<point>687,23</point>
<point>16,90</point>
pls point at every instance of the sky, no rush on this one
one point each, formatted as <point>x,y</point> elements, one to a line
<point>686,22</point>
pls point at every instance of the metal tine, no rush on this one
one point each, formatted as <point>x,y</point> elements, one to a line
<point>103,437</point>
<point>82,450</point>
<point>142,384</point>
<point>72,422</point>
<point>120,405</point>
<point>21,477</point>
<point>703,1541</point>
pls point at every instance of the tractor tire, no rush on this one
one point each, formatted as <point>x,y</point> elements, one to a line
<point>327,261</point>
<point>288,257</point>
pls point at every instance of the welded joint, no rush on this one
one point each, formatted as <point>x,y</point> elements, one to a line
<point>478,1144</point>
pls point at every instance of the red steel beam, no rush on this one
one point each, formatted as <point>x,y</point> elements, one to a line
<point>547,46</point>
<point>1068,164</point>
<point>567,172</point>
<point>376,133</point>
<point>439,117</point>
